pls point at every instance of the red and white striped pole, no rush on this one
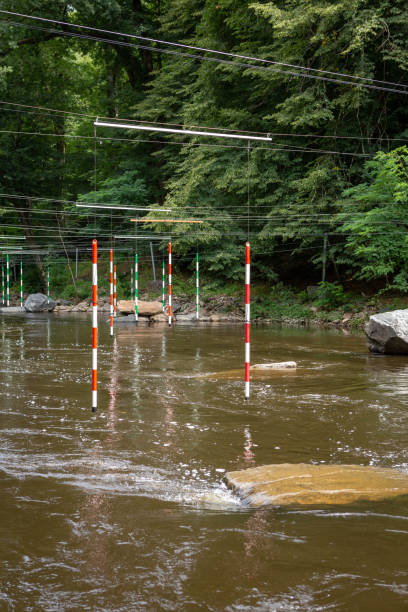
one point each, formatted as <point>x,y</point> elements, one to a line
<point>114,291</point>
<point>163,285</point>
<point>21,284</point>
<point>170,284</point>
<point>111,290</point>
<point>197,288</point>
<point>94,325</point>
<point>136,288</point>
<point>247,316</point>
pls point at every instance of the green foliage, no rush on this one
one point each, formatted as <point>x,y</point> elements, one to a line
<point>280,311</point>
<point>213,288</point>
<point>281,302</point>
<point>374,217</point>
<point>330,296</point>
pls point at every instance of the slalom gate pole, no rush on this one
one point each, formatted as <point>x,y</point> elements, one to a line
<point>197,288</point>
<point>136,288</point>
<point>8,279</point>
<point>21,284</point>
<point>2,285</point>
<point>153,264</point>
<point>170,284</point>
<point>111,290</point>
<point>114,291</point>
<point>163,283</point>
<point>48,284</point>
<point>94,325</point>
<point>247,316</point>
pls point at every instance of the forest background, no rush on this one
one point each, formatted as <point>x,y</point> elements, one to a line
<point>335,173</point>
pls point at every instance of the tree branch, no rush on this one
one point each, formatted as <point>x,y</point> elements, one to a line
<point>31,41</point>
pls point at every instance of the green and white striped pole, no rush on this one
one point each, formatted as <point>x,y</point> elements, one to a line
<point>163,283</point>
<point>2,285</point>
<point>48,284</point>
<point>136,289</point>
<point>197,288</point>
<point>21,284</point>
<point>8,280</point>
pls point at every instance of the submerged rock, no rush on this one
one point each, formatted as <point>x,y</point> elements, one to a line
<point>11,309</point>
<point>129,321</point>
<point>38,302</point>
<point>281,365</point>
<point>300,483</point>
<point>257,373</point>
<point>162,317</point>
<point>387,332</point>
<point>223,317</point>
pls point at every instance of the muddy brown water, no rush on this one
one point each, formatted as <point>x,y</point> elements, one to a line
<point>126,510</point>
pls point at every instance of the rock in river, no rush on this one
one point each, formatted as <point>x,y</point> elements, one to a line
<point>258,371</point>
<point>279,365</point>
<point>387,332</point>
<point>144,308</point>
<point>38,302</point>
<point>300,483</point>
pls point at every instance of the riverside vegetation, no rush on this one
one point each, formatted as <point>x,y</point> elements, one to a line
<point>326,304</point>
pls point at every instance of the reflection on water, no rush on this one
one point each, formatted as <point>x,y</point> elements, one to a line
<point>127,509</point>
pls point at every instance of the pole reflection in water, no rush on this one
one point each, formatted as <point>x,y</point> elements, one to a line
<point>113,390</point>
<point>258,545</point>
<point>249,455</point>
<point>163,346</point>
<point>21,344</point>
<point>93,524</point>
<point>48,325</point>
<point>76,327</point>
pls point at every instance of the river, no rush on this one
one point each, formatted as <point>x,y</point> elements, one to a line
<point>127,510</point>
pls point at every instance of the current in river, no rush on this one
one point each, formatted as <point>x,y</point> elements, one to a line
<point>127,509</point>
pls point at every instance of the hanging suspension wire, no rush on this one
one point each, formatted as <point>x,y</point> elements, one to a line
<point>132,140</point>
<point>191,56</point>
<point>285,147</point>
<point>83,204</point>
<point>364,81</point>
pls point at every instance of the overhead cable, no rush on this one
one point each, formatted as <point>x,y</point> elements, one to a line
<point>212,59</point>
<point>201,49</point>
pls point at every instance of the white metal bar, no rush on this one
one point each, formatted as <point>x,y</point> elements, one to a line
<point>148,128</point>
<point>143,237</point>
<point>122,207</point>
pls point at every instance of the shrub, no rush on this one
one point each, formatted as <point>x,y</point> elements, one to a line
<point>330,296</point>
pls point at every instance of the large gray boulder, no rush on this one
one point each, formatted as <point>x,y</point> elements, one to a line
<point>38,302</point>
<point>387,332</point>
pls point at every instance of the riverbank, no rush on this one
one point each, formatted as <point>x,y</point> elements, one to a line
<point>325,305</point>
